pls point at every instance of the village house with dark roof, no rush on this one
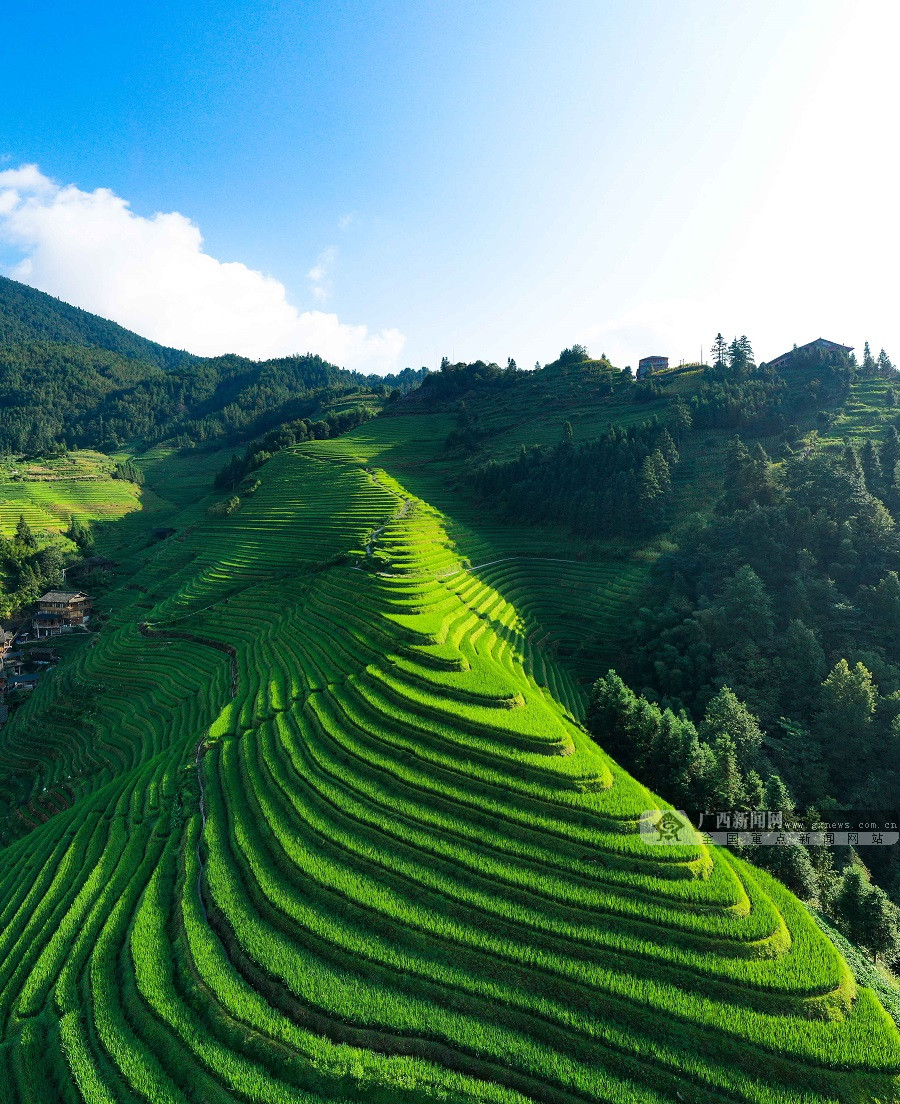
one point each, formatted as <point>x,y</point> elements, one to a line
<point>819,343</point>
<point>61,611</point>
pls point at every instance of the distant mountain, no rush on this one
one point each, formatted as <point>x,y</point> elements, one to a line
<point>27,314</point>
<point>71,379</point>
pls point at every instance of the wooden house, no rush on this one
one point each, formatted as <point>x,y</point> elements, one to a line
<point>61,611</point>
<point>819,343</point>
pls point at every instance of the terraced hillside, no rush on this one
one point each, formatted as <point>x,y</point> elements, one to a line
<point>566,591</point>
<point>312,818</point>
<point>49,494</point>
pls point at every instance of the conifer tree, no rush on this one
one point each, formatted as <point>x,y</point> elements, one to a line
<point>847,705</point>
<point>871,465</point>
<point>866,914</point>
<point>890,452</point>
<point>776,796</point>
<point>726,715</point>
<point>802,665</point>
<point>682,420</point>
<point>728,788</point>
<point>24,534</point>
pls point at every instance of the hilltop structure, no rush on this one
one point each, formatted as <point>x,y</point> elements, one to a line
<point>650,364</point>
<point>819,343</point>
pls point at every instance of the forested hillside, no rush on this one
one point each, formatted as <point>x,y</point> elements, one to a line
<point>28,315</point>
<point>69,379</point>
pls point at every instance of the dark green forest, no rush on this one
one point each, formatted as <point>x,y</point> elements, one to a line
<point>71,380</point>
<point>763,668</point>
<point>617,484</point>
<point>29,567</point>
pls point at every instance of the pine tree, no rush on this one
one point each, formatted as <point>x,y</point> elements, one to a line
<point>866,914</point>
<point>756,793</point>
<point>80,535</point>
<point>777,796</point>
<point>881,926</point>
<point>793,865</point>
<point>802,666</point>
<point>871,465</point>
<point>746,607</point>
<point>746,351</point>
<point>884,603</point>
<point>850,902</point>
<point>611,709</point>
<point>682,420</point>
<point>726,715</point>
<point>719,352</point>
<point>670,755</point>
<point>847,704</point>
<point>763,490</point>
<point>853,464</point>
<point>868,364</point>
<point>667,446</point>
<point>738,465</point>
<point>728,789</point>
<point>890,452</point>
<point>24,534</point>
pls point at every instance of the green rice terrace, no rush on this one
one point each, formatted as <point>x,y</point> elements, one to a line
<point>314,818</point>
<point>50,493</point>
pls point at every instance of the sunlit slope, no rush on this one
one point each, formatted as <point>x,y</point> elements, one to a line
<point>323,835</point>
<point>49,495</point>
<point>568,591</point>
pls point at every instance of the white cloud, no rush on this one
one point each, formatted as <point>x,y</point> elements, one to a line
<point>319,275</point>
<point>152,275</point>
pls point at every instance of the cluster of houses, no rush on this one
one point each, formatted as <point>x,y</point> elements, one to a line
<point>58,611</point>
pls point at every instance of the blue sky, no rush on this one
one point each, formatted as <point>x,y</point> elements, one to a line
<point>390,183</point>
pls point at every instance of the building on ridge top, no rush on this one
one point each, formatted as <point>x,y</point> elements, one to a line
<point>819,343</point>
<point>649,364</point>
